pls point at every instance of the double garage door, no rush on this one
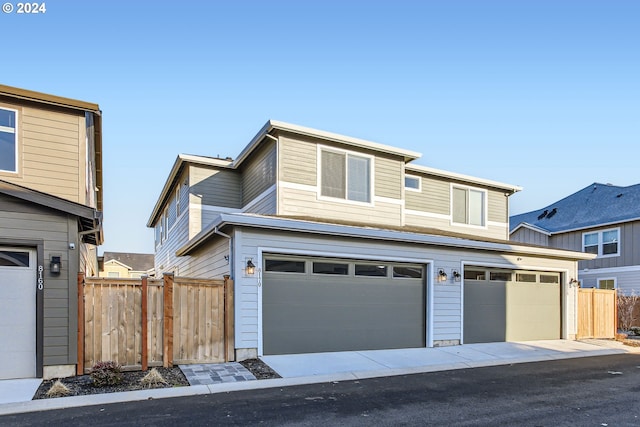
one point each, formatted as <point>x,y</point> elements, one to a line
<point>314,305</point>
<point>506,305</point>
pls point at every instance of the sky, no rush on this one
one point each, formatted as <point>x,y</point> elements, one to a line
<point>537,93</point>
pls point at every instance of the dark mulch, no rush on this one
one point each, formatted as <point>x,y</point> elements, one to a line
<point>82,385</point>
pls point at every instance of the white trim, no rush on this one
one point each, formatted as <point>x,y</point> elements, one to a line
<point>594,271</point>
<point>346,154</point>
<point>531,227</point>
<point>212,208</point>
<point>14,131</point>
<point>389,200</point>
<point>485,206</point>
<point>601,242</point>
<point>300,187</point>
<point>415,190</point>
<point>343,255</point>
<point>427,214</point>
<point>497,224</point>
<point>468,178</point>
<point>112,261</point>
<point>615,282</point>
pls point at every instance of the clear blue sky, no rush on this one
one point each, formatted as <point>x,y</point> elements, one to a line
<point>541,94</point>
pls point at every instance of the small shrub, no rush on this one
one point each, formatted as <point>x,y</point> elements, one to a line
<point>153,379</point>
<point>634,330</point>
<point>105,374</point>
<point>58,390</point>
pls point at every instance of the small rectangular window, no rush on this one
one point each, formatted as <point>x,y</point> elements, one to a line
<point>549,278</point>
<point>410,272</point>
<point>474,275</point>
<point>591,243</point>
<point>501,276</point>
<point>113,274</point>
<point>412,183</point>
<point>8,140</point>
<point>526,277</point>
<point>607,284</point>
<point>14,259</point>
<point>284,266</point>
<point>330,268</point>
<point>371,270</point>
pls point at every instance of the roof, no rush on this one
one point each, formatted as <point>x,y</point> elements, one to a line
<point>593,206</point>
<point>471,179</point>
<point>407,235</point>
<point>89,219</point>
<point>136,262</point>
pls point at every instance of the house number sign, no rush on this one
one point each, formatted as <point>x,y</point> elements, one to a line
<point>40,279</point>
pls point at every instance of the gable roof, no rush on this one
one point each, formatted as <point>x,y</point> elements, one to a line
<point>89,219</point>
<point>135,261</point>
<point>595,205</point>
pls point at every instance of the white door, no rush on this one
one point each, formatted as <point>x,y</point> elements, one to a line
<point>17,313</point>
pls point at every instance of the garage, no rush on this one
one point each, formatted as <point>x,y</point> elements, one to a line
<point>510,305</point>
<point>314,305</point>
<point>17,313</point>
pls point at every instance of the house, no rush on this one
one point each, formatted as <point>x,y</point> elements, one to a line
<point>50,226</point>
<point>125,265</point>
<point>600,219</point>
<point>336,243</point>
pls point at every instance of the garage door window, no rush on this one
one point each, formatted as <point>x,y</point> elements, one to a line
<point>330,268</point>
<point>407,272</point>
<point>501,276</point>
<point>371,270</point>
<point>474,275</point>
<point>284,266</point>
<point>525,277</point>
<point>548,278</point>
<point>14,259</point>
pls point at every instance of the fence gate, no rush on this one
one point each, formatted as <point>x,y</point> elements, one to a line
<point>144,322</point>
<point>597,313</point>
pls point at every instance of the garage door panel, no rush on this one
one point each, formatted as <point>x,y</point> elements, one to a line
<point>533,311</point>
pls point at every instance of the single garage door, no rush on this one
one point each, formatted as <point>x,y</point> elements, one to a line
<point>507,305</point>
<point>17,313</point>
<point>314,305</point>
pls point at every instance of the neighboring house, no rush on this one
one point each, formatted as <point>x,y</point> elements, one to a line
<point>601,219</point>
<point>50,226</point>
<point>336,243</point>
<point>125,265</point>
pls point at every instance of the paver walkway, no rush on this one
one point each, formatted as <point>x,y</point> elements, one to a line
<point>216,373</point>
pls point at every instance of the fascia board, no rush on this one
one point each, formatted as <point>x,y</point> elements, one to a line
<point>461,177</point>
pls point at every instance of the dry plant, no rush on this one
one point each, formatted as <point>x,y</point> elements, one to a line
<point>626,307</point>
<point>153,379</point>
<point>58,390</point>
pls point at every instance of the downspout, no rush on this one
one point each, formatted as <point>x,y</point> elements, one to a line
<point>220,233</point>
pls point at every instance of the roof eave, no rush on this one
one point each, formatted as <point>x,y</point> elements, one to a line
<point>446,174</point>
<point>44,98</point>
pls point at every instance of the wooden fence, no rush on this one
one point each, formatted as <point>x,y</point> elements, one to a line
<point>597,316</point>
<point>144,322</point>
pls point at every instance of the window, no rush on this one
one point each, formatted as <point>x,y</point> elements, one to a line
<point>474,274</point>
<point>548,278</point>
<point>113,274</point>
<point>468,206</point>
<point>607,283</point>
<point>284,266</point>
<point>501,276</point>
<point>158,232</point>
<point>371,270</point>
<point>602,243</point>
<point>410,272</point>
<point>330,268</point>
<point>14,259</point>
<point>412,183</point>
<point>8,140</point>
<point>182,197</point>
<point>345,176</point>
<point>526,277</point>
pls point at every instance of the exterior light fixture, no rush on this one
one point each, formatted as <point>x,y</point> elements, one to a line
<point>251,268</point>
<point>574,282</point>
<point>442,276</point>
<point>55,265</point>
<point>456,275</point>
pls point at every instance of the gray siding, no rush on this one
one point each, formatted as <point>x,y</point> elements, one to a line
<point>627,281</point>
<point>22,220</point>
<point>498,205</point>
<point>388,177</point>
<point>298,161</point>
<point>435,196</point>
<point>259,172</point>
<point>526,235</point>
<point>165,260</point>
<point>215,187</point>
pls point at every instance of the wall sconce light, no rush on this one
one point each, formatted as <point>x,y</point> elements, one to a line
<point>442,276</point>
<point>456,275</point>
<point>251,268</point>
<point>226,258</point>
<point>574,282</point>
<point>55,265</point>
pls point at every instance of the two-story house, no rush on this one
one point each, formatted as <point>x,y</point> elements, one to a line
<point>50,225</point>
<point>337,243</point>
<point>125,265</point>
<point>600,219</point>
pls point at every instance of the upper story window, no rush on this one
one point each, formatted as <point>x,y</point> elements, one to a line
<point>468,206</point>
<point>344,175</point>
<point>8,140</point>
<point>412,183</point>
<point>603,243</point>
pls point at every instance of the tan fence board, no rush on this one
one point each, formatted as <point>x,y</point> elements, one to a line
<point>596,313</point>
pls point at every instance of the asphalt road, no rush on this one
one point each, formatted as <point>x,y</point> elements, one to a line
<point>594,391</point>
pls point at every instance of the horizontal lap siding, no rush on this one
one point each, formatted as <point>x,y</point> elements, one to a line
<point>492,231</point>
<point>215,187</point>
<point>259,172</point>
<point>626,281</point>
<point>298,161</point>
<point>388,177</point>
<point>526,235</point>
<point>434,197</point>
<point>497,206</point>
<point>165,256</point>
<point>52,152</point>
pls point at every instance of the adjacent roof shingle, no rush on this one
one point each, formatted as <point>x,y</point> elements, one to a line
<point>137,262</point>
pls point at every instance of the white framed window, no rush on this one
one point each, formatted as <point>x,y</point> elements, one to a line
<point>468,206</point>
<point>607,283</point>
<point>113,274</point>
<point>8,140</point>
<point>412,183</point>
<point>158,233</point>
<point>604,243</point>
<point>345,175</point>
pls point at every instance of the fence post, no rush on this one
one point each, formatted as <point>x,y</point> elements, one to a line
<point>80,364</point>
<point>615,311</point>
<point>144,319</point>
<point>229,329</point>
<point>167,336</point>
